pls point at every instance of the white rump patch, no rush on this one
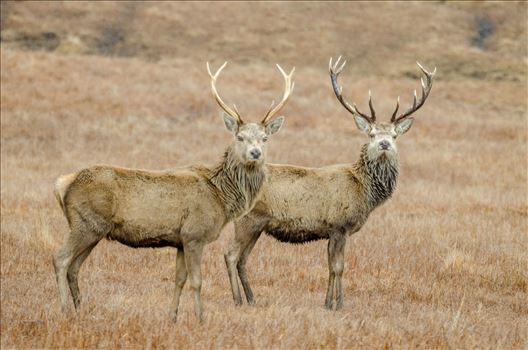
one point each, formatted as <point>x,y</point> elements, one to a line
<point>61,185</point>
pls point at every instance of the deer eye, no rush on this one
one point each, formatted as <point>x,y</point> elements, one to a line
<point>239,138</point>
<point>265,139</point>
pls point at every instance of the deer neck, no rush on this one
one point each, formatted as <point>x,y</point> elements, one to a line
<point>238,184</point>
<point>378,176</point>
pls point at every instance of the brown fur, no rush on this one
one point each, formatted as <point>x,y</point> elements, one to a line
<point>299,205</point>
<point>183,208</point>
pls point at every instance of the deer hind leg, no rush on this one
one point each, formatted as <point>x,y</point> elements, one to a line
<point>193,260</point>
<point>181,278</point>
<point>241,266</point>
<point>77,243</point>
<point>61,263</point>
<point>86,230</point>
<point>73,273</point>
<point>246,234</point>
<point>231,258</point>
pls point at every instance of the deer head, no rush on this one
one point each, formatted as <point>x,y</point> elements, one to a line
<point>251,138</point>
<point>382,134</point>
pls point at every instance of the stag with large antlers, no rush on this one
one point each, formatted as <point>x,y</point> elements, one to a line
<point>299,204</point>
<point>184,208</point>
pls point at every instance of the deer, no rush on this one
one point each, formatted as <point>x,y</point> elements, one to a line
<point>184,208</point>
<point>300,204</point>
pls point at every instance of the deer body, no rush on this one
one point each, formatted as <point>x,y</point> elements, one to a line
<point>184,208</point>
<point>299,205</point>
<point>321,201</point>
<point>131,206</point>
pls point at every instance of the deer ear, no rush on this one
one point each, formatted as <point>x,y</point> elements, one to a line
<point>274,126</point>
<point>404,125</point>
<point>362,123</point>
<point>230,122</point>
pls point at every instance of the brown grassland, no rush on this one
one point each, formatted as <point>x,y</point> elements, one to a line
<point>443,264</point>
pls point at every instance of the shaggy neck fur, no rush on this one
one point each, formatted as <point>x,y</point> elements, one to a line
<point>379,176</point>
<point>238,184</point>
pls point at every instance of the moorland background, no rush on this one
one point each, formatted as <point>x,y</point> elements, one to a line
<point>441,264</point>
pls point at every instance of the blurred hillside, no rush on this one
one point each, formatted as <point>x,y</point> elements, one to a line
<point>462,39</point>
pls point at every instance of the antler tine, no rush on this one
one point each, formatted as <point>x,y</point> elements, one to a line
<point>236,109</point>
<point>427,85</point>
<point>288,89</point>
<point>372,112</point>
<point>429,74</point>
<point>234,113</point>
<point>396,110</point>
<point>214,76</point>
<point>335,67</point>
<point>338,90</point>
<point>330,67</point>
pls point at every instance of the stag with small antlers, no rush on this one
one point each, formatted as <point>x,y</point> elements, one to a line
<point>299,204</point>
<point>184,208</point>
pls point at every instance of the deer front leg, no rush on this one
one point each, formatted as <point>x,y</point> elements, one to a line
<point>181,278</point>
<point>338,267</point>
<point>193,259</point>
<point>330,288</point>
<point>336,245</point>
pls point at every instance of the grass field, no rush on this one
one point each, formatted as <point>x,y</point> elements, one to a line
<point>443,264</point>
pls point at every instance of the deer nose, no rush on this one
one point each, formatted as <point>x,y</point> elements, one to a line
<point>384,144</point>
<point>255,153</point>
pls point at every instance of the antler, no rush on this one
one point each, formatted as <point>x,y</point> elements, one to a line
<point>288,89</point>
<point>426,89</point>
<point>335,70</point>
<point>232,112</point>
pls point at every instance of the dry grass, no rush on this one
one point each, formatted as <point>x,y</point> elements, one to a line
<point>441,265</point>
